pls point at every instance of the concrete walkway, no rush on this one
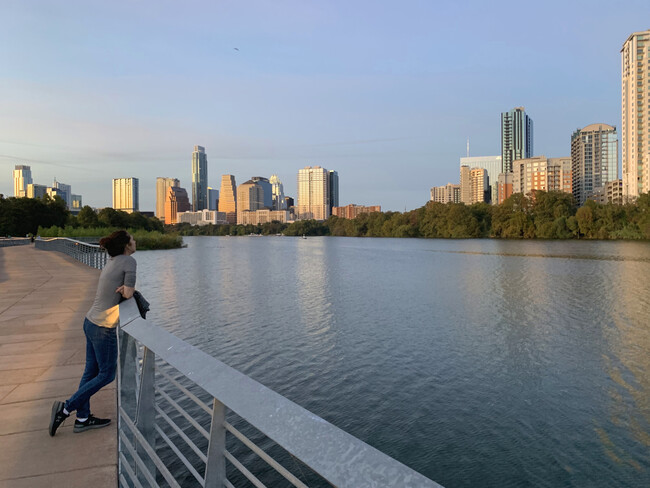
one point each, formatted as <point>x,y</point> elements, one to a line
<point>44,296</point>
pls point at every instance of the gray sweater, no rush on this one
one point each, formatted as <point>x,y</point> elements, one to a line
<point>119,270</point>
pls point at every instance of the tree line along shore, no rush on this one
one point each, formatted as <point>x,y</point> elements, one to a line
<point>546,215</point>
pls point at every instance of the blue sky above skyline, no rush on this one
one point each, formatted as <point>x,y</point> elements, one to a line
<point>386,93</point>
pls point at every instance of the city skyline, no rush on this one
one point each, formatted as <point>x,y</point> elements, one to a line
<point>395,89</point>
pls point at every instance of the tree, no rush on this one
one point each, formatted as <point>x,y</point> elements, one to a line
<point>87,217</point>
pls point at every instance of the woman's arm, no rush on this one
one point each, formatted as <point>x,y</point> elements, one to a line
<point>125,291</point>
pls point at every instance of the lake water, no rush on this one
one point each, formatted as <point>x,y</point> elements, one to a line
<point>475,362</point>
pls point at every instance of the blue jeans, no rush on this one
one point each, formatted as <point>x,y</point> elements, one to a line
<point>101,364</point>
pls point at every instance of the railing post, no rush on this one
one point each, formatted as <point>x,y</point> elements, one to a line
<point>145,417</point>
<point>215,466</point>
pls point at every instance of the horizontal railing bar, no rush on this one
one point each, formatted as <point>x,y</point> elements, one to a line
<point>180,456</point>
<point>149,450</point>
<point>138,460</point>
<point>183,435</point>
<point>187,392</point>
<point>182,411</point>
<point>129,470</point>
<point>340,458</point>
<point>262,454</point>
<point>242,469</point>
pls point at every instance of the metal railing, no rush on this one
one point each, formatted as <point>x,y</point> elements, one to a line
<point>89,254</point>
<point>187,419</point>
<point>14,241</point>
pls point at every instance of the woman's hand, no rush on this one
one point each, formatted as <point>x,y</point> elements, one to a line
<point>125,291</point>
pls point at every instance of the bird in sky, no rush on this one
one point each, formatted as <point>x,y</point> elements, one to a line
<point>236,48</point>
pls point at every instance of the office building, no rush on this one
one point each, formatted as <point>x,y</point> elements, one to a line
<point>352,211</point>
<point>333,189</point>
<point>22,177</point>
<point>176,202</point>
<point>162,184</point>
<point>263,216</point>
<point>267,189</point>
<point>77,204</point>
<point>516,137</point>
<point>213,198</point>
<point>202,217</point>
<point>493,165</point>
<point>36,191</point>
<point>277,193</point>
<point>199,179</point>
<point>594,159</point>
<point>228,198</point>
<point>313,193</point>
<point>541,173</point>
<point>126,194</point>
<point>250,196</point>
<point>449,193</point>
<point>635,111</point>
<point>65,192</point>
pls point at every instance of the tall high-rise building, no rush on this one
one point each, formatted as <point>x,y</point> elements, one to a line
<point>161,194</point>
<point>126,194</point>
<point>277,193</point>
<point>65,192</point>
<point>213,198</point>
<point>516,137</point>
<point>22,177</point>
<point>228,198</point>
<point>594,159</point>
<point>313,193</point>
<point>479,188</point>
<point>266,188</point>
<point>635,110</point>
<point>334,189</point>
<point>250,197</point>
<point>493,166</point>
<point>465,185</point>
<point>176,201</point>
<point>199,179</point>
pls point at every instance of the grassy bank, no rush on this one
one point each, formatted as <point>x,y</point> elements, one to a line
<point>146,240</point>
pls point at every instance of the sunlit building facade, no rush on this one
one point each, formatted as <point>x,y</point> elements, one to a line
<point>162,184</point>
<point>313,193</point>
<point>250,197</point>
<point>176,202</point>
<point>352,211</point>
<point>635,112</point>
<point>22,177</point>
<point>126,194</point>
<point>594,159</point>
<point>493,166</point>
<point>228,198</point>
<point>450,193</point>
<point>277,193</point>
<point>541,173</point>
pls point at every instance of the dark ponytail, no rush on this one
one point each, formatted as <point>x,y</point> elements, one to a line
<point>116,242</point>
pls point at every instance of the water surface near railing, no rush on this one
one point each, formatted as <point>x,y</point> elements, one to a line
<point>492,363</point>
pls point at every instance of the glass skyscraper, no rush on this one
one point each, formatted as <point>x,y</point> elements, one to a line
<point>199,179</point>
<point>516,137</point>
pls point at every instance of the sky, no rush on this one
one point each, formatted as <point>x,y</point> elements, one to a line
<point>384,92</point>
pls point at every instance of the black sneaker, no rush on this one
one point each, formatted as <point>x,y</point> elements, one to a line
<point>57,417</point>
<point>91,422</point>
